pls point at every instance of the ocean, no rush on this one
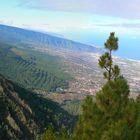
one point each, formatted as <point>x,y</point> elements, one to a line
<point>129,44</point>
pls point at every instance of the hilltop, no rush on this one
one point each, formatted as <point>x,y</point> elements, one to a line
<point>33,39</point>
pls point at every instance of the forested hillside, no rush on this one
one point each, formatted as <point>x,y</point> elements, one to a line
<point>33,69</point>
<point>24,115</point>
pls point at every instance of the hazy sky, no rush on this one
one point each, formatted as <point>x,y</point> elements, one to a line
<point>72,15</point>
<point>86,21</point>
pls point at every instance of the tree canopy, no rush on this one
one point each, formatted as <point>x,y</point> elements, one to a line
<point>106,61</point>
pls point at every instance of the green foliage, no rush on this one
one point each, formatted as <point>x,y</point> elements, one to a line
<point>32,69</point>
<point>137,132</point>
<point>106,62</point>
<point>63,135</point>
<point>84,129</point>
<point>73,107</point>
<point>112,42</point>
<point>113,116</point>
<point>49,134</point>
<point>25,115</point>
<point>113,96</point>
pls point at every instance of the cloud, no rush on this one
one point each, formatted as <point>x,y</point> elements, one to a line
<point>129,28</point>
<point>120,25</point>
<point>119,8</point>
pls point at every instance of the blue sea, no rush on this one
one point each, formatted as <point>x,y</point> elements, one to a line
<point>129,44</point>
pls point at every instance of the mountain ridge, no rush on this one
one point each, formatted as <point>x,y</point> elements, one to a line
<point>24,37</point>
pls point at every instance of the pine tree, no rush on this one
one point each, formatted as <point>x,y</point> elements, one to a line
<point>137,132</point>
<point>84,129</point>
<point>113,115</point>
<point>113,96</point>
<point>106,62</point>
<point>63,135</point>
<point>49,134</point>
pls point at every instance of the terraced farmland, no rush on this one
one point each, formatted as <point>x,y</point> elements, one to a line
<point>32,69</point>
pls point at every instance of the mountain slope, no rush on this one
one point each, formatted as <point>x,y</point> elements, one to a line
<point>23,114</point>
<point>32,69</point>
<point>27,38</point>
<point>23,58</point>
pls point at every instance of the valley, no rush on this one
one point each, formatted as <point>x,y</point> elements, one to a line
<point>88,78</point>
<point>57,68</point>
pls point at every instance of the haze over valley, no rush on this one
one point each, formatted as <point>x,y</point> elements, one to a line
<point>73,65</point>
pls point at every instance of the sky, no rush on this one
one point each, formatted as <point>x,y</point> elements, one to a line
<point>75,19</point>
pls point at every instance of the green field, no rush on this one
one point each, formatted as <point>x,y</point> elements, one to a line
<point>33,69</point>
